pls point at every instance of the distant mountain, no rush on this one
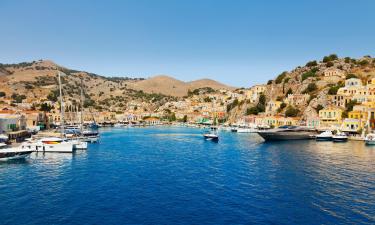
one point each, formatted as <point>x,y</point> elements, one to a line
<point>170,86</point>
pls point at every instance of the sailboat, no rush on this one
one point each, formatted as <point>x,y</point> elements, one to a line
<point>52,144</point>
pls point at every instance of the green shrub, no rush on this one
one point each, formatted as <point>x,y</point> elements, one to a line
<point>329,64</point>
<point>350,75</point>
<point>280,77</point>
<point>289,92</point>
<point>311,73</point>
<point>310,88</point>
<point>291,111</point>
<point>2,94</point>
<point>311,63</point>
<point>318,108</point>
<point>330,58</point>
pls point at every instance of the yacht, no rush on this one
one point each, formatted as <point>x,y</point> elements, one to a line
<point>90,136</point>
<point>285,133</point>
<point>340,137</point>
<point>370,139</point>
<point>8,153</point>
<point>49,144</point>
<point>325,136</point>
<point>246,130</point>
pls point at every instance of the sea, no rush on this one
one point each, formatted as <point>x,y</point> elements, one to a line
<point>171,175</point>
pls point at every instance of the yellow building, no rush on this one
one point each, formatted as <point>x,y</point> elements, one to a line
<point>330,117</point>
<point>351,125</point>
<point>272,107</point>
<point>276,121</point>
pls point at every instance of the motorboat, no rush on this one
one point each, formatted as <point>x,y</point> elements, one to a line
<point>90,136</point>
<point>212,135</point>
<point>8,153</point>
<point>325,136</point>
<point>285,133</point>
<point>49,144</point>
<point>370,139</point>
<point>340,137</point>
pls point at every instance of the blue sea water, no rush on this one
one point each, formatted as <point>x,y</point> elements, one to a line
<point>173,176</point>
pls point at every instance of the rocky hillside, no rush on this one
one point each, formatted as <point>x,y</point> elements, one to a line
<point>37,80</point>
<point>311,79</point>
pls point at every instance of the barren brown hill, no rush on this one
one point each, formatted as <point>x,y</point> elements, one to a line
<point>170,86</point>
<point>208,83</point>
<point>162,84</point>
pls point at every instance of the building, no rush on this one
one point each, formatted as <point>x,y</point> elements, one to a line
<point>330,117</point>
<point>351,125</point>
<point>333,72</point>
<point>297,99</point>
<point>272,107</point>
<point>313,122</point>
<point>341,100</point>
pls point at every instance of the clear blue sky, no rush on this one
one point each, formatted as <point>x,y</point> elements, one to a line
<point>236,42</point>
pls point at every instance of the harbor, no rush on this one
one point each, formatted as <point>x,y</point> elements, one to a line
<point>149,169</point>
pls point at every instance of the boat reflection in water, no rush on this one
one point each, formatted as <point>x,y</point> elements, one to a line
<point>285,133</point>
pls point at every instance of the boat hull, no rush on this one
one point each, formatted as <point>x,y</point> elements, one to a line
<point>12,155</point>
<point>285,136</point>
<point>323,138</point>
<point>339,139</point>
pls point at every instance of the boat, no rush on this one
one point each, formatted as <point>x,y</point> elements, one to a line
<point>212,135</point>
<point>370,139</point>
<point>246,130</point>
<point>9,153</point>
<point>340,137</point>
<point>325,136</point>
<point>78,144</point>
<point>49,144</point>
<point>90,136</point>
<point>285,133</point>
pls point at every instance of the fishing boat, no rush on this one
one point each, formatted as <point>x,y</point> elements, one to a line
<point>370,139</point>
<point>325,136</point>
<point>8,153</point>
<point>340,137</point>
<point>286,133</point>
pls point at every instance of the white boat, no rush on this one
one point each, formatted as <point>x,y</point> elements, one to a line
<point>246,130</point>
<point>340,137</point>
<point>78,144</point>
<point>50,144</point>
<point>370,139</point>
<point>8,153</point>
<point>325,136</point>
<point>90,136</point>
<point>212,135</point>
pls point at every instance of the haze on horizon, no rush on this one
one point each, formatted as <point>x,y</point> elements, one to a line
<point>239,43</point>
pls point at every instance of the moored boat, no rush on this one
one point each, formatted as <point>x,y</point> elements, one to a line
<point>370,139</point>
<point>340,137</point>
<point>49,144</point>
<point>8,153</point>
<point>325,136</point>
<point>285,133</point>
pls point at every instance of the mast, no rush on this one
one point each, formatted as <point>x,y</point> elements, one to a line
<point>61,106</point>
<point>81,105</point>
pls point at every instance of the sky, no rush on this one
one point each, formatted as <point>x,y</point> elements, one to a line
<point>237,42</point>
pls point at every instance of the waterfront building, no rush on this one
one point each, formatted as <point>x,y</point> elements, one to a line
<point>330,117</point>
<point>313,122</point>
<point>351,125</point>
<point>340,100</point>
<point>272,106</point>
<point>333,72</point>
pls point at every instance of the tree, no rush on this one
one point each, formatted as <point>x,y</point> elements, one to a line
<point>330,58</point>
<point>350,75</point>
<point>310,88</point>
<point>311,63</point>
<point>45,107</point>
<point>280,77</point>
<point>311,73</point>
<point>289,92</point>
<point>350,105</point>
<point>252,111</point>
<point>329,64</point>
<point>318,108</point>
<point>2,94</point>
<point>185,119</point>
<point>269,82</point>
<point>262,99</point>
<point>18,98</point>
<point>291,111</point>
